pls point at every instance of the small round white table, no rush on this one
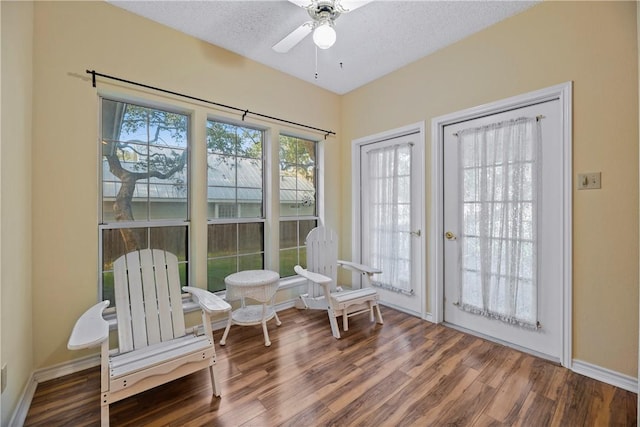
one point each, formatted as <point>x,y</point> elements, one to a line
<point>257,285</point>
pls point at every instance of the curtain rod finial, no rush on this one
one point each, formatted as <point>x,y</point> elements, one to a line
<point>93,77</point>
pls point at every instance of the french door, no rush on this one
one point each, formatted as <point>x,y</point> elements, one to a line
<point>503,240</point>
<point>389,206</point>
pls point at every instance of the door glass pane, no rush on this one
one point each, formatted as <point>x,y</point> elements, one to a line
<point>498,243</point>
<point>388,206</point>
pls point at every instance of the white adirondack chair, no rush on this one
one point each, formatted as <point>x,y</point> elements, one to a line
<point>154,347</point>
<point>322,273</point>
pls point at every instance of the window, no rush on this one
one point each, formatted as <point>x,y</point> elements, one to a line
<point>145,189</point>
<point>145,185</point>
<point>235,197</point>
<point>298,195</point>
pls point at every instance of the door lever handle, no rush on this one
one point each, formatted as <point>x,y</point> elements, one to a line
<point>449,235</point>
<point>416,233</point>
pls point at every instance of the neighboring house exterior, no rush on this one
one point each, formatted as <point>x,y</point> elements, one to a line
<point>221,191</point>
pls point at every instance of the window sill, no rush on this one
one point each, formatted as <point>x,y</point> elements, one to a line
<point>291,282</point>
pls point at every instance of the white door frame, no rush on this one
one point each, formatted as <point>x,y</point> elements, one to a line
<point>563,92</point>
<point>415,128</point>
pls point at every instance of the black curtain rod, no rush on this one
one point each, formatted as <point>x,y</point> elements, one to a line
<point>94,73</point>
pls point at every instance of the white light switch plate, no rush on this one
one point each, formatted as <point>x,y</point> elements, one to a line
<point>589,181</point>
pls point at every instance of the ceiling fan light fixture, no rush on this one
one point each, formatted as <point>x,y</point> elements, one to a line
<point>324,36</point>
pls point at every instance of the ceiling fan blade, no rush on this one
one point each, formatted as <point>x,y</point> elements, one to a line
<point>349,5</point>
<point>301,3</point>
<point>293,38</point>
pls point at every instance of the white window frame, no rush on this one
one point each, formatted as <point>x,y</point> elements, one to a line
<point>319,154</point>
<point>265,190</point>
<point>148,224</point>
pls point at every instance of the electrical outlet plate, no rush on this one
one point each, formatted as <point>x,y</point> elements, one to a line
<point>589,181</point>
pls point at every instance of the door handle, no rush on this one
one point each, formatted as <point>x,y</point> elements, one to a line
<point>416,233</point>
<point>449,235</point>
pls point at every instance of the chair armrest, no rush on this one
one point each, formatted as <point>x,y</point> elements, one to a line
<point>360,268</point>
<point>90,329</point>
<point>208,302</point>
<point>314,277</point>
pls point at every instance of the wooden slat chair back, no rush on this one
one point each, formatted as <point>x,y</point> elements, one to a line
<point>322,274</point>
<point>153,344</point>
<point>148,299</point>
<point>322,257</point>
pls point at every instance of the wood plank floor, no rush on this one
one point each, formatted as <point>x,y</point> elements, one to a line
<point>407,372</point>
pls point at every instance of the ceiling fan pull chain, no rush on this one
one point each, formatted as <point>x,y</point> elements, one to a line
<point>316,62</point>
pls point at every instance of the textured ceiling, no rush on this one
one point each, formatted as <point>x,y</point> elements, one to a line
<point>373,40</point>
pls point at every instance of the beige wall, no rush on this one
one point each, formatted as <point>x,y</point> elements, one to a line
<point>15,209</point>
<point>549,44</point>
<point>71,37</point>
<point>56,249</point>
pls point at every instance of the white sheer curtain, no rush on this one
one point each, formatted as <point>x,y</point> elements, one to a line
<point>389,215</point>
<point>498,206</point>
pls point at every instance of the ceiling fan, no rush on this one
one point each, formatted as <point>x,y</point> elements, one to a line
<point>323,13</point>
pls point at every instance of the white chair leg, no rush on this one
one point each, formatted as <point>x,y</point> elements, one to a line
<point>267,342</point>
<point>371,311</point>
<point>334,324</point>
<point>215,384</point>
<point>226,330</point>
<point>278,322</point>
<point>379,314</point>
<point>345,320</point>
<point>104,415</point>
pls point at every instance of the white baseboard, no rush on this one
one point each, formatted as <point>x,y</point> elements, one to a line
<point>400,308</point>
<point>605,375</point>
<point>285,305</point>
<point>22,409</point>
<point>66,368</point>
<point>46,374</point>
<point>599,373</point>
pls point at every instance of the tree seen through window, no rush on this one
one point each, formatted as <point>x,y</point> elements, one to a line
<point>144,181</point>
